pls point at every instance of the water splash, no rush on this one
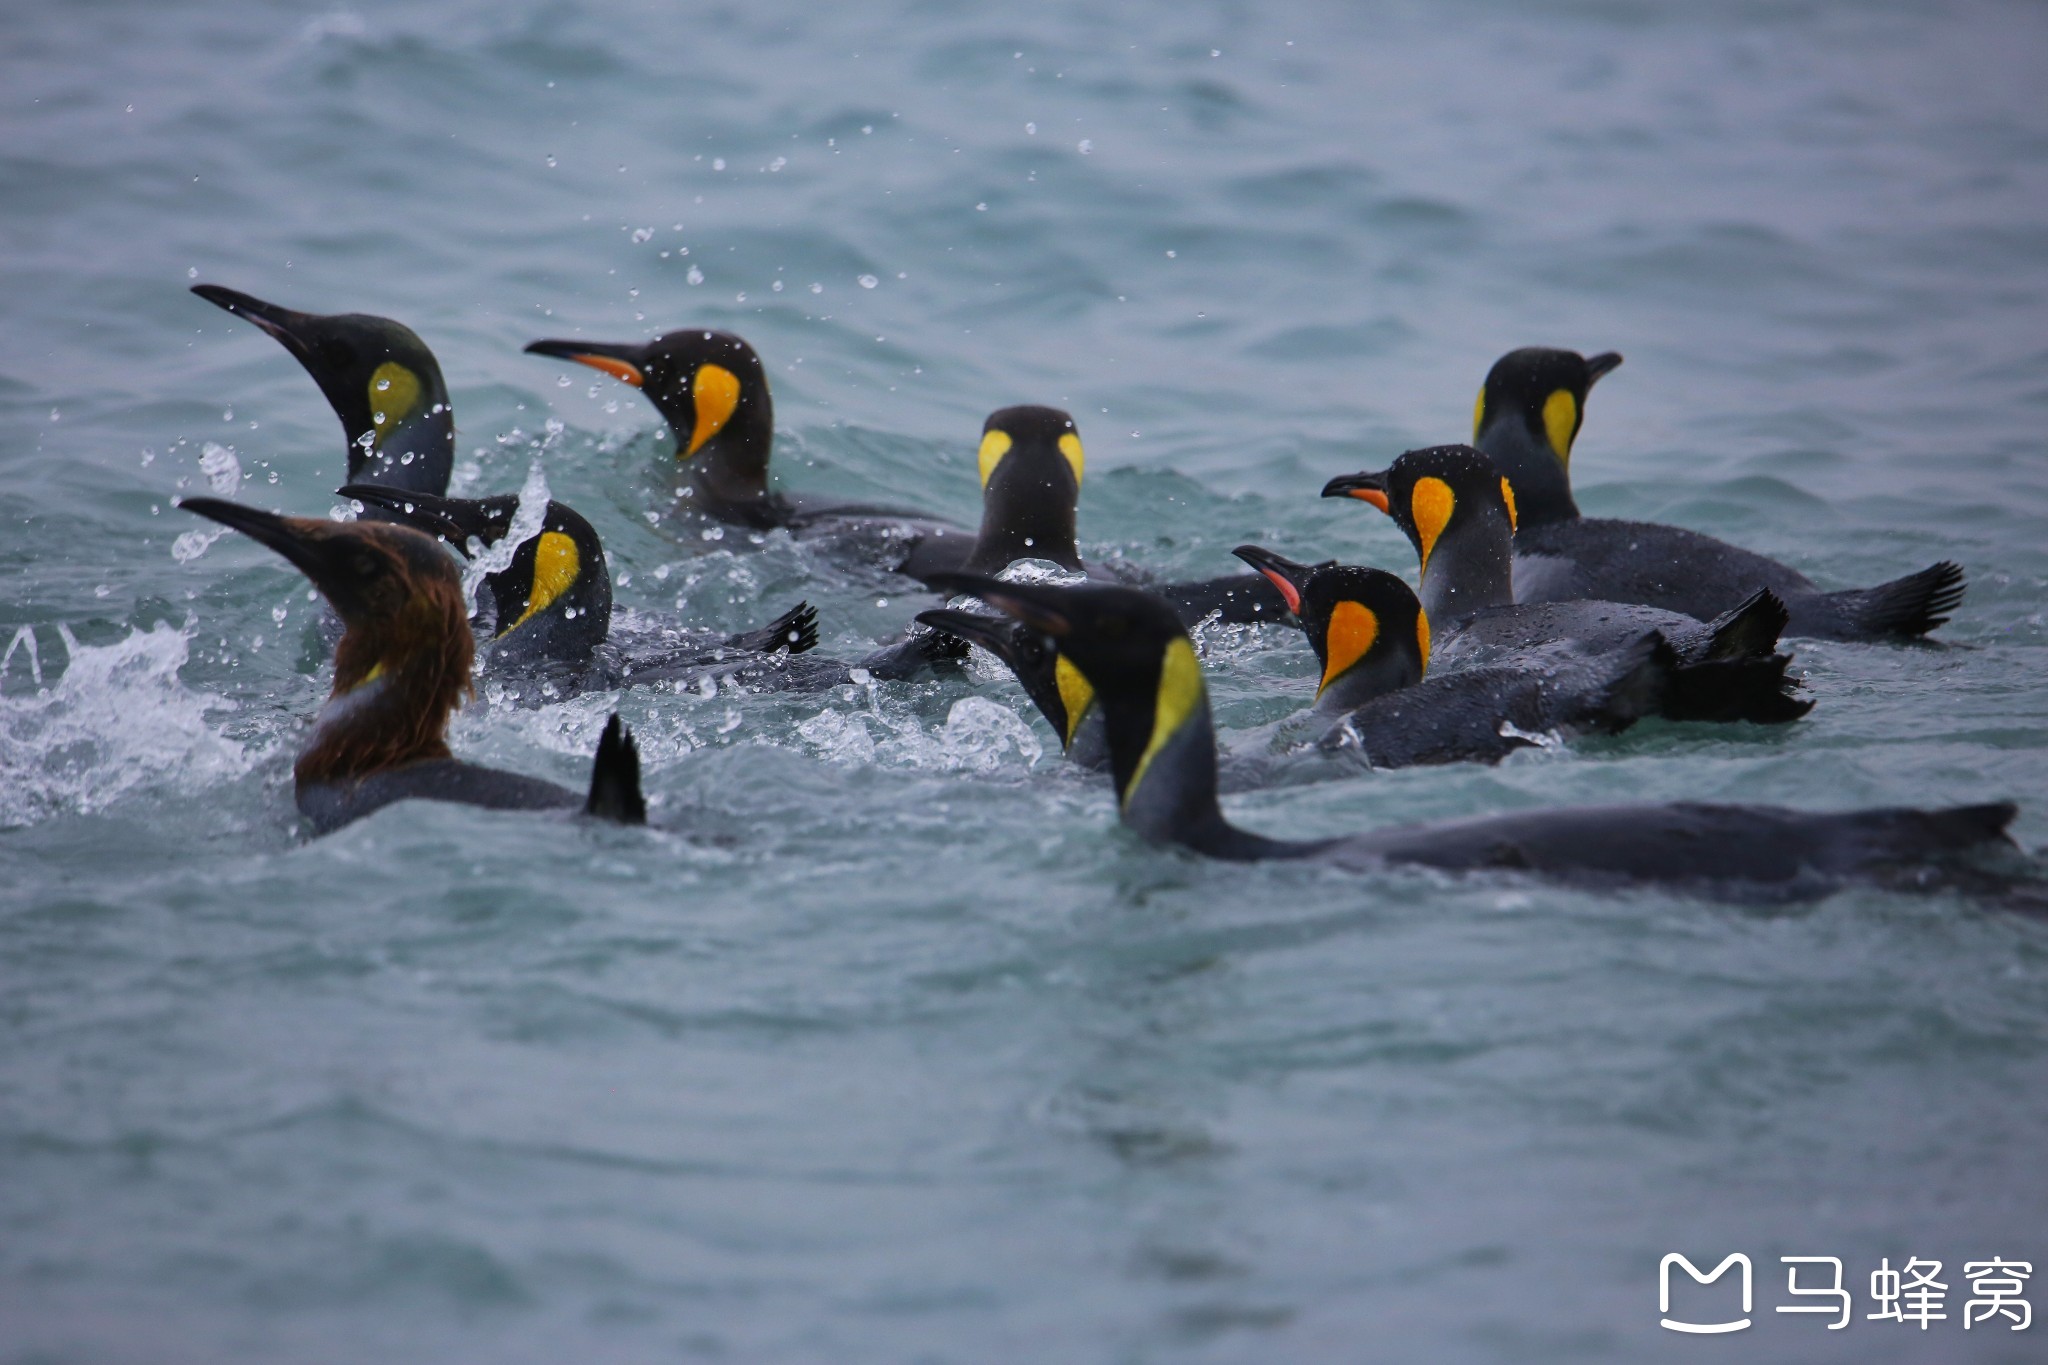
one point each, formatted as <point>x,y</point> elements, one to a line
<point>25,638</point>
<point>527,519</point>
<point>979,736</point>
<point>118,719</point>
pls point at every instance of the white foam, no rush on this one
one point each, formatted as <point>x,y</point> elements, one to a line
<point>118,719</point>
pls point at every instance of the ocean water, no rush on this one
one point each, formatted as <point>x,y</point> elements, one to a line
<point>887,1045</point>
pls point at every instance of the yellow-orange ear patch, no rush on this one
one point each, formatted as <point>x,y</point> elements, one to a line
<point>1478,415</point>
<point>1353,630</point>
<point>556,563</point>
<point>1507,495</point>
<point>1422,638</point>
<point>1075,695</point>
<point>1430,504</point>
<point>714,392</point>
<point>1070,446</point>
<point>1561,423</point>
<point>623,371</point>
<point>995,443</point>
<point>394,393</point>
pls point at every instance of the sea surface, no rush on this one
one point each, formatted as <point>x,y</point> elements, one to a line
<point>888,1045</point>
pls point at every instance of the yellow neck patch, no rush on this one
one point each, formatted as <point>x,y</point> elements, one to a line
<point>556,562</point>
<point>1422,638</point>
<point>1070,446</point>
<point>994,445</point>
<point>1180,695</point>
<point>394,393</point>
<point>1353,630</point>
<point>1507,495</point>
<point>1075,695</point>
<point>714,392</point>
<point>1478,415</point>
<point>1431,505</point>
<point>1561,423</point>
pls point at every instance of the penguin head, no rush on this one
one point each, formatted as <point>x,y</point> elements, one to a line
<point>710,385</point>
<point>1031,465</point>
<point>1063,696</point>
<point>1134,653</point>
<point>378,376</point>
<point>1540,392</point>
<point>554,600</point>
<point>1435,493</point>
<point>397,593</point>
<point>1365,625</point>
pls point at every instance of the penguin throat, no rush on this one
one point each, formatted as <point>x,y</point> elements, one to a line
<point>393,693</point>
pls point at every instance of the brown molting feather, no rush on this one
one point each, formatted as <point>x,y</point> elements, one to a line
<point>424,650</point>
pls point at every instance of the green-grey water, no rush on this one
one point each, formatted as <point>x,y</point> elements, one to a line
<point>888,1045</point>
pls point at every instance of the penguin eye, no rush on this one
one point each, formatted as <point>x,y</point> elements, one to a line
<point>368,565</point>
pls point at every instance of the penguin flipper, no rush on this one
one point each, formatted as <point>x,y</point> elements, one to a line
<point>615,777</point>
<point>796,631</point>
<point>1901,609</point>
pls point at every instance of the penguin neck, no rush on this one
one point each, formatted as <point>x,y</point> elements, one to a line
<point>417,454</point>
<point>392,696</point>
<point>1024,518</point>
<point>1470,568</point>
<point>1542,482</point>
<point>1383,670</point>
<point>730,471</point>
<point>1166,786</point>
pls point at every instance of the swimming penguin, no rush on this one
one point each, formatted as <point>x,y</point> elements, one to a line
<point>1032,462</point>
<point>553,603</point>
<point>402,666</point>
<point>1528,415</point>
<point>381,380</point>
<point>713,390</point>
<point>1372,639</point>
<point>1459,514</point>
<point>1135,654</point>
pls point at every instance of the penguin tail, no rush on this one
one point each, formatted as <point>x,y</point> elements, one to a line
<point>615,777</point>
<point>795,631</point>
<point>1750,688</point>
<point>1903,608</point>
<point>1748,631</point>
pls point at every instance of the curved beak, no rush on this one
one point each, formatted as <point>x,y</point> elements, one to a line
<point>313,546</point>
<point>1599,365</point>
<point>626,362</point>
<point>454,520</point>
<point>992,633</point>
<point>1036,605</point>
<point>288,325</point>
<point>1370,488</point>
<point>1286,575</point>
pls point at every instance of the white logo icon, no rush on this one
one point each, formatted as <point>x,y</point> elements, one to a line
<point>1702,1328</point>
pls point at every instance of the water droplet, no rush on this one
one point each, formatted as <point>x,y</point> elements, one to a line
<point>645,234</point>
<point>717,163</point>
<point>777,164</point>
<point>777,286</point>
<point>817,288</point>
<point>868,281</point>
<point>1031,129</point>
<point>981,208</point>
<point>1087,146</point>
<point>695,276</point>
<point>714,533</point>
<point>551,163</point>
<point>383,384</point>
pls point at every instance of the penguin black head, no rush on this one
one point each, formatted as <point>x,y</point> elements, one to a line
<point>1528,414</point>
<point>710,385</point>
<point>380,379</point>
<point>1366,625</point>
<point>1458,513</point>
<point>1432,491</point>
<point>1031,466</point>
<point>554,600</point>
<point>1131,648</point>
<point>1063,696</point>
